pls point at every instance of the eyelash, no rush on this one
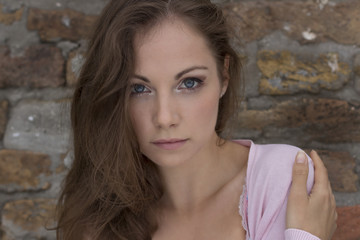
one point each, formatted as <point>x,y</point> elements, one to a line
<point>198,83</point>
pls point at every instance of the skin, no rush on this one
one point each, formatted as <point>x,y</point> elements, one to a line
<point>175,95</point>
<point>314,213</point>
<point>202,180</point>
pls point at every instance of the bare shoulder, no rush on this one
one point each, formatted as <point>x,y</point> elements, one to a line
<point>236,157</point>
<point>238,154</point>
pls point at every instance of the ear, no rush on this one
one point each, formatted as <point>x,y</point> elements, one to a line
<point>226,76</point>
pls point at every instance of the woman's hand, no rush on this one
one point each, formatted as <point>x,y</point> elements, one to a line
<point>314,213</point>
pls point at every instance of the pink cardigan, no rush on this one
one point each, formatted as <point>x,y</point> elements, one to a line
<point>263,202</point>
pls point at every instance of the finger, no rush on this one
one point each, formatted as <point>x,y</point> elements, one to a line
<point>299,176</point>
<point>332,195</point>
<point>336,216</point>
<point>321,175</point>
<point>334,224</point>
<point>330,189</point>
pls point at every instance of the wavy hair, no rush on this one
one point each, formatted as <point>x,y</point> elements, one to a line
<point>111,188</point>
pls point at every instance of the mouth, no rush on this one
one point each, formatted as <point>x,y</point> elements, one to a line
<point>170,144</point>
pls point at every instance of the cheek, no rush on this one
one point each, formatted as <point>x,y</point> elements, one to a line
<point>138,119</point>
<point>204,111</point>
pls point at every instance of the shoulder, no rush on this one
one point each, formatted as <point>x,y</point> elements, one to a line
<point>272,165</point>
<point>270,170</point>
<point>268,179</point>
<point>274,152</point>
<point>272,160</point>
<point>269,164</point>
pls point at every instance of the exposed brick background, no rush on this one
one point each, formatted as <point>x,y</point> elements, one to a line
<point>9,18</point>
<point>301,65</point>
<point>348,222</point>
<point>41,66</point>
<point>54,25</point>
<point>3,116</point>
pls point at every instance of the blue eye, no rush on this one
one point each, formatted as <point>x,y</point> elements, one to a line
<point>190,83</point>
<point>138,89</point>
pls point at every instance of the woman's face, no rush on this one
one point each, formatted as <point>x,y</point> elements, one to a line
<point>175,94</point>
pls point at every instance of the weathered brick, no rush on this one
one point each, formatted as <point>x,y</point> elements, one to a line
<point>341,170</point>
<point>357,64</point>
<point>326,24</point>
<point>304,21</point>
<point>60,24</point>
<point>28,219</point>
<point>61,168</point>
<point>331,120</point>
<point>250,20</point>
<point>348,223</point>
<point>42,126</point>
<point>3,116</point>
<point>324,120</point>
<point>73,67</point>
<point>22,171</point>
<point>9,18</point>
<point>356,69</point>
<point>357,84</point>
<point>284,73</point>
<point>41,66</point>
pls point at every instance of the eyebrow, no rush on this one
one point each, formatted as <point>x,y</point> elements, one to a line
<point>177,76</point>
<point>180,74</point>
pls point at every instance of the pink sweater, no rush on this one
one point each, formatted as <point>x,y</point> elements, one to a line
<point>263,202</point>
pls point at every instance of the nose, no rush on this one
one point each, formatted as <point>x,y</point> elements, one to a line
<point>166,113</point>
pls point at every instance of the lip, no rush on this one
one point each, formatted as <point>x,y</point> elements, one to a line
<point>170,144</point>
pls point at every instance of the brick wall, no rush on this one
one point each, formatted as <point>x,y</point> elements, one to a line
<point>302,70</point>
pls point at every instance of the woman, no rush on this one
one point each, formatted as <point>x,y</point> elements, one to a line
<point>158,86</point>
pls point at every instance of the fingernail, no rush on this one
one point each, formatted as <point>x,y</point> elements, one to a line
<point>301,157</point>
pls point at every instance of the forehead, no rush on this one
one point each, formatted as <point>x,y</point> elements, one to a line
<point>171,42</point>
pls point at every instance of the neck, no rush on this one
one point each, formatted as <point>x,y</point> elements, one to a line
<point>189,186</point>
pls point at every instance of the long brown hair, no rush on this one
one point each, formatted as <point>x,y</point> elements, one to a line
<point>111,188</point>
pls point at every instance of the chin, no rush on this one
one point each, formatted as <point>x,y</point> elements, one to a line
<point>170,159</point>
